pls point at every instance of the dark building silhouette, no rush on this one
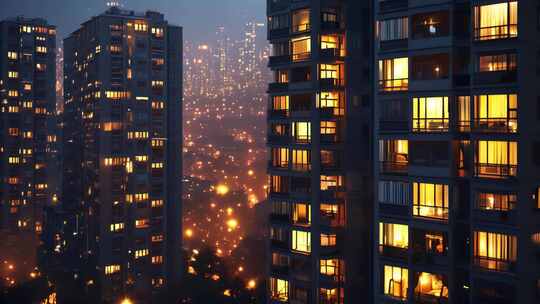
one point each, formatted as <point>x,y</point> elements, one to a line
<point>319,140</point>
<point>122,140</point>
<point>28,148</point>
<point>456,110</point>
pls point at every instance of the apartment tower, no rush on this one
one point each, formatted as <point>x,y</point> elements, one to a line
<point>122,140</point>
<point>457,214</point>
<point>27,93</point>
<point>319,140</point>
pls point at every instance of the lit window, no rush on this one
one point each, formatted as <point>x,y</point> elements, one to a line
<point>279,289</point>
<point>329,182</point>
<point>496,159</point>
<point>331,296</point>
<point>496,21</point>
<point>41,49</point>
<point>301,131</point>
<point>157,142</point>
<point>140,26</point>
<point>330,267</point>
<point>494,251</point>
<point>26,29</point>
<point>115,49</point>
<point>430,200</point>
<point>394,74</point>
<point>333,42</point>
<point>116,227</point>
<point>301,48</point>
<point>13,93</point>
<point>13,74</point>
<point>332,100</point>
<point>328,240</point>
<point>301,241</point>
<point>41,67</point>
<point>141,253</point>
<point>301,159</point>
<point>157,259</point>
<point>394,155</point>
<point>300,20</point>
<point>158,105</point>
<point>157,32</point>
<point>117,95</point>
<point>280,157</point>
<point>496,112</point>
<point>495,201</point>
<point>435,243</point>
<point>497,62</point>
<point>111,269</point>
<point>430,114</point>
<point>157,83</point>
<point>27,87</point>
<point>396,282</point>
<point>393,235</point>
<point>157,203</point>
<point>157,238</point>
<point>331,71</point>
<point>302,214</point>
<point>431,286</point>
<point>12,55</point>
<point>157,165</point>
<point>280,103</point>
<point>142,223</point>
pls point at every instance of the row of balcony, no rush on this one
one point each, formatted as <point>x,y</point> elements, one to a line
<point>325,55</point>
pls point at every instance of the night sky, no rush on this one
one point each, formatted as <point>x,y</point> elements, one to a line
<point>198,17</point>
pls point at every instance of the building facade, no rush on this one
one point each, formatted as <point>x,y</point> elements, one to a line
<point>456,111</point>
<point>319,139</point>
<point>122,142</point>
<point>27,92</point>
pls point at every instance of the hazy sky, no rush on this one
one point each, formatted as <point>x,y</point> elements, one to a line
<point>198,17</point>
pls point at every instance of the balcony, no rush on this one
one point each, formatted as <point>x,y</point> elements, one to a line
<point>508,217</point>
<point>277,5</point>
<point>299,57</point>
<point>280,218</point>
<point>278,244</point>
<point>495,170</point>
<point>330,138</point>
<point>422,298</point>
<point>494,264</point>
<point>278,114</point>
<point>498,77</point>
<point>278,87</point>
<point>330,25</point>
<point>279,139</point>
<point>331,84</point>
<point>496,125</point>
<point>393,252</point>
<point>393,44</point>
<point>394,85</point>
<point>390,5</point>
<point>280,270</point>
<point>333,54</point>
<point>279,60</point>
<point>278,33</point>
<point>393,126</point>
<point>301,28</point>
<point>394,167</point>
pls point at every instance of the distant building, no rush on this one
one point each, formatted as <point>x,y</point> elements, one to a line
<point>122,142</point>
<point>28,150</point>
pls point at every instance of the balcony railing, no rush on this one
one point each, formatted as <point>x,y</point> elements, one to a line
<point>494,264</point>
<point>431,212</point>
<point>423,298</point>
<point>331,83</point>
<point>495,170</point>
<point>279,60</point>
<point>385,5</point>
<point>496,32</point>
<point>498,125</point>
<point>330,25</point>
<point>279,139</point>
<point>278,33</point>
<point>393,252</point>
<point>431,125</point>
<point>394,167</point>
<point>278,114</point>
<point>301,56</point>
<point>331,54</point>
<point>275,87</point>
<point>394,85</point>
<point>300,28</point>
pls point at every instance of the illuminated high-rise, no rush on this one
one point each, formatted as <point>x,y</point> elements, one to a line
<point>27,167</point>
<point>456,111</point>
<point>122,142</point>
<point>319,142</point>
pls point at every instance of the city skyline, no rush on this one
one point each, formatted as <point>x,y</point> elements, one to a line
<point>200,18</point>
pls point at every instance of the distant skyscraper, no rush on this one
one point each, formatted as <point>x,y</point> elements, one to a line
<point>122,147</point>
<point>27,92</point>
<point>115,3</point>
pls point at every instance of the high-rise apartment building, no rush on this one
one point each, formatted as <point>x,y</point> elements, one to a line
<point>319,141</point>
<point>27,95</point>
<point>122,137</point>
<point>456,108</point>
